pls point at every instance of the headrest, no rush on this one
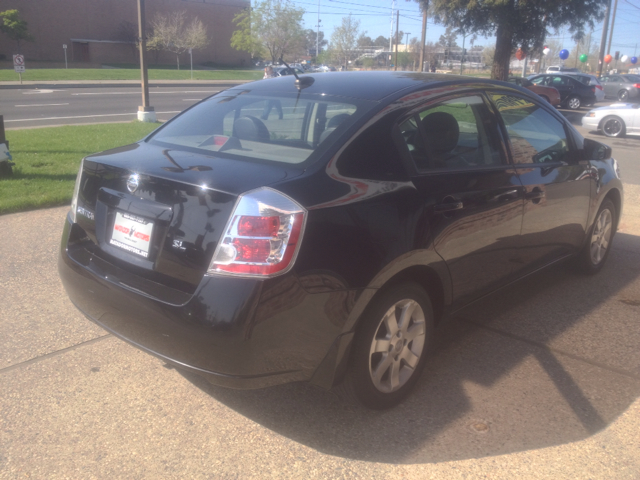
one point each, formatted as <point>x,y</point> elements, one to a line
<point>443,131</point>
<point>251,128</point>
<point>337,120</point>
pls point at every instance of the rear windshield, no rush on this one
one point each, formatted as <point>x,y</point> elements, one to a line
<point>284,128</point>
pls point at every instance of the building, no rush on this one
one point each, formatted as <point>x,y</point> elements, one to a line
<point>105,31</point>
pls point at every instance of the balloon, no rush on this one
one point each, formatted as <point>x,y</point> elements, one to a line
<point>624,58</point>
<point>607,59</point>
<point>520,54</point>
<point>633,60</point>
<point>564,54</point>
<point>584,57</point>
<point>546,51</point>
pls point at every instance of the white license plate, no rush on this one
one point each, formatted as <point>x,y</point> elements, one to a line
<point>132,233</point>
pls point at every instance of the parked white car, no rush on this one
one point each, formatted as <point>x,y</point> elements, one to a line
<point>616,120</point>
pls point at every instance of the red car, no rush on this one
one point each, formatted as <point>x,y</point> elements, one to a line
<point>550,94</point>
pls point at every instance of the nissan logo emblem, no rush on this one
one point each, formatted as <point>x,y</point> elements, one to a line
<point>132,183</point>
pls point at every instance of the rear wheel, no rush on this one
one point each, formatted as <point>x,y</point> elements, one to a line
<point>391,345</point>
<point>613,126</point>
<point>623,95</point>
<point>574,102</point>
<point>545,98</point>
<point>596,251</point>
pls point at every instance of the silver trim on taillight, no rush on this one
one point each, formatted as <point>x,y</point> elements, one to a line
<point>76,190</point>
<point>265,202</point>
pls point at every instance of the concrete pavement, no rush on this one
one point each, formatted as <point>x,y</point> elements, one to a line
<point>539,381</point>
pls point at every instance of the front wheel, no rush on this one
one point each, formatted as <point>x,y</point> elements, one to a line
<point>613,126</point>
<point>595,252</point>
<point>391,345</point>
<point>623,95</point>
<point>574,102</point>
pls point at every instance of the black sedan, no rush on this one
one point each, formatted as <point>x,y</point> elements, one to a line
<point>325,243</point>
<point>573,93</point>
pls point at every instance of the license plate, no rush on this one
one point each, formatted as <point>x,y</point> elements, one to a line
<point>132,233</point>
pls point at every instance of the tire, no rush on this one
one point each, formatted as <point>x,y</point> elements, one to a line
<point>613,126</point>
<point>545,98</point>
<point>623,95</point>
<point>574,102</point>
<point>596,251</point>
<point>391,346</point>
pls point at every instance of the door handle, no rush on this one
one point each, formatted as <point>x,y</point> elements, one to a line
<point>448,207</point>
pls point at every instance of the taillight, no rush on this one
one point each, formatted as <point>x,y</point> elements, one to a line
<point>637,85</point>
<point>262,237</point>
<point>76,191</point>
<point>593,89</point>
<point>599,87</point>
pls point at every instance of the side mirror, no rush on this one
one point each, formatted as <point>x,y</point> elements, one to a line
<point>595,150</point>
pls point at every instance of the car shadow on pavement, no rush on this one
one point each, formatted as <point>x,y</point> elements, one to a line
<point>575,117</point>
<point>550,360</point>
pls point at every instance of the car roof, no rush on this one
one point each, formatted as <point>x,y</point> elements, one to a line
<point>365,85</point>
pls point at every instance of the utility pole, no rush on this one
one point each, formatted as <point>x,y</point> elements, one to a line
<point>464,37</point>
<point>146,113</point>
<point>395,62</point>
<point>318,34</point>
<point>425,7</point>
<point>613,22</point>
<point>393,6</point>
<point>603,41</point>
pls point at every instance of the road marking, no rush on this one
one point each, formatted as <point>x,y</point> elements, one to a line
<point>151,93</point>
<point>33,92</point>
<point>84,116</point>
<point>42,105</point>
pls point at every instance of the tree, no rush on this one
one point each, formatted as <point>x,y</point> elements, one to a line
<point>344,38</point>
<point>14,27</point>
<point>364,41</point>
<point>310,41</point>
<point>172,33</point>
<point>381,42</point>
<point>522,23</point>
<point>448,38</point>
<point>272,27</point>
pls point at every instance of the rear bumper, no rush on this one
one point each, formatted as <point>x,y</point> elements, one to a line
<point>237,332</point>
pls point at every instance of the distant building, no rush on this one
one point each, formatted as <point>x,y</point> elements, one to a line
<point>104,31</point>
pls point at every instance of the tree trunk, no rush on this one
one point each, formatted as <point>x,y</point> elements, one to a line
<point>502,57</point>
<point>178,60</point>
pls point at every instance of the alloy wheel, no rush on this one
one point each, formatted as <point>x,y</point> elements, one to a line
<point>397,346</point>
<point>623,96</point>
<point>612,127</point>
<point>574,103</point>
<point>601,236</point>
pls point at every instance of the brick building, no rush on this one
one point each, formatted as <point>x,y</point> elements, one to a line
<point>104,31</point>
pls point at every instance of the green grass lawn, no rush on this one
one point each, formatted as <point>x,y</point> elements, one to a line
<point>60,74</point>
<point>47,160</point>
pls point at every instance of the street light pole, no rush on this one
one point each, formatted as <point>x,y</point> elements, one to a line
<point>318,34</point>
<point>146,113</point>
<point>425,6</point>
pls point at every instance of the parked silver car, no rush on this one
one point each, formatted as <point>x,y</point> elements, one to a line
<point>623,87</point>
<point>616,120</point>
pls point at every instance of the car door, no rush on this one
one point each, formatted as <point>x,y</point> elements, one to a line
<point>617,83</point>
<point>472,197</point>
<point>557,185</point>
<point>563,84</point>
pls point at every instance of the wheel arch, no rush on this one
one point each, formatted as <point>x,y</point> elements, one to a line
<point>616,197</point>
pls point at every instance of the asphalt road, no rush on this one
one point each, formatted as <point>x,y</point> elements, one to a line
<point>28,108</point>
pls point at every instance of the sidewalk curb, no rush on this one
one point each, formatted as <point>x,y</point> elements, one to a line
<point>119,84</point>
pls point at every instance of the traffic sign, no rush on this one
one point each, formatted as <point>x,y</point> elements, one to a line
<point>18,63</point>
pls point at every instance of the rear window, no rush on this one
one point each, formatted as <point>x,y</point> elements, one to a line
<point>286,128</point>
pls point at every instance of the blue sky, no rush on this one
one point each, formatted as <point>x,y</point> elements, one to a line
<point>375,19</point>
